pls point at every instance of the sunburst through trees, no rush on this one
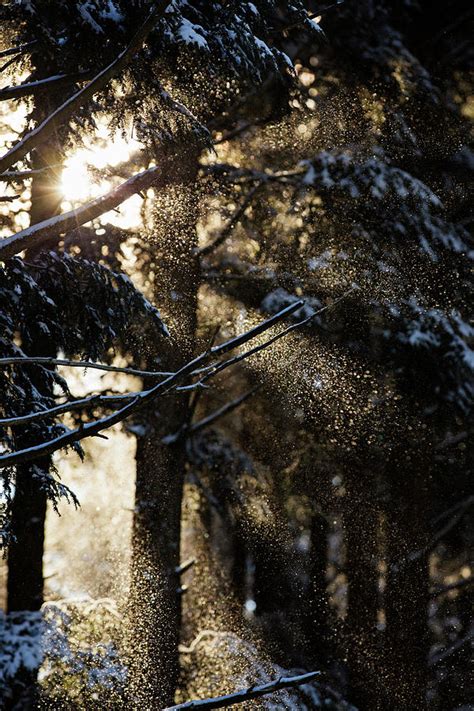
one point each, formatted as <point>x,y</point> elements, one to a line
<point>236,354</point>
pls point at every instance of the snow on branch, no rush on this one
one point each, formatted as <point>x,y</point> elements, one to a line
<point>66,110</point>
<point>253,692</point>
<point>60,224</point>
<point>30,88</point>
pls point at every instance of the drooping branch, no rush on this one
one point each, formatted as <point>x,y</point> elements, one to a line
<point>146,396</point>
<point>81,97</point>
<point>253,692</point>
<point>56,226</point>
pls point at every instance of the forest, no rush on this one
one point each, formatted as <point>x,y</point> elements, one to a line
<point>236,355</point>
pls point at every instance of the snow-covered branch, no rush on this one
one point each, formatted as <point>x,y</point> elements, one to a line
<point>97,400</point>
<point>60,224</point>
<point>29,88</point>
<point>81,97</point>
<point>253,692</point>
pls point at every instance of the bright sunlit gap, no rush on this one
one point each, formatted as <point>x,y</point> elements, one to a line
<point>80,181</point>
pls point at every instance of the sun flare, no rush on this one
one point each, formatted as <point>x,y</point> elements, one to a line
<point>87,175</point>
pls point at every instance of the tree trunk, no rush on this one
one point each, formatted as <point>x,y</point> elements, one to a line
<point>155,608</point>
<point>317,615</point>
<point>25,555</point>
<point>361,524</point>
<point>405,657</point>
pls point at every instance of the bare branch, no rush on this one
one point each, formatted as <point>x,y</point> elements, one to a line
<point>222,411</point>
<point>458,585</point>
<point>206,421</point>
<point>41,360</point>
<point>443,532</point>
<point>219,367</point>
<point>181,569</point>
<point>91,429</point>
<point>17,50</point>
<point>444,654</point>
<point>253,692</point>
<point>65,111</point>
<point>69,406</point>
<point>58,225</point>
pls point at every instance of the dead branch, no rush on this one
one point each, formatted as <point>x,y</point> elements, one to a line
<point>253,692</point>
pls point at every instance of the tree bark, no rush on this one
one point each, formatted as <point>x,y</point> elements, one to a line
<point>317,615</point>
<point>361,525</point>
<point>25,555</point>
<point>406,639</point>
<point>155,607</point>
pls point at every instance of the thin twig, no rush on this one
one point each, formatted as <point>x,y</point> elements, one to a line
<point>222,411</point>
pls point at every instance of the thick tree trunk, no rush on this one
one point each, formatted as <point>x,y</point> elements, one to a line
<point>317,614</point>
<point>25,555</point>
<point>361,528</point>
<point>406,648</point>
<point>155,608</point>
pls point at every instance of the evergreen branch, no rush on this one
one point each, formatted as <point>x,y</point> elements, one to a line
<point>144,397</point>
<point>253,692</point>
<point>66,110</point>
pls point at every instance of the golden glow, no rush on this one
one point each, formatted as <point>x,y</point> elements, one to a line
<point>86,175</point>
